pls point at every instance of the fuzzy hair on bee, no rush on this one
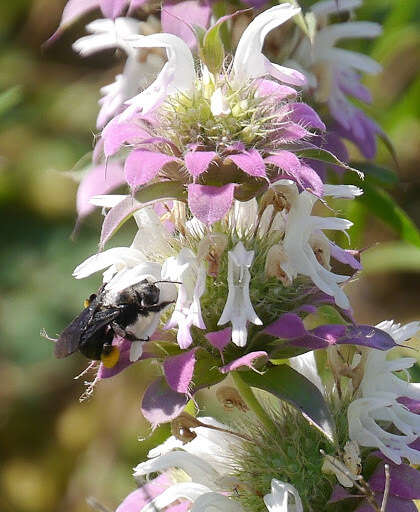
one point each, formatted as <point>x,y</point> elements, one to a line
<point>128,314</point>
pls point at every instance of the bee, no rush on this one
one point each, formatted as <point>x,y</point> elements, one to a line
<point>104,316</point>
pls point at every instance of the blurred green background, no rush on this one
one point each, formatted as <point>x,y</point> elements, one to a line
<point>55,451</point>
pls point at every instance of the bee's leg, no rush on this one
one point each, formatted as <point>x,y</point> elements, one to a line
<point>119,331</point>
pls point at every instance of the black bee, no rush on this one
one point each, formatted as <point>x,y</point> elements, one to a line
<point>92,332</point>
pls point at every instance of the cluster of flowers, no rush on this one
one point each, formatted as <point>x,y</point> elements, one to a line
<point>226,166</point>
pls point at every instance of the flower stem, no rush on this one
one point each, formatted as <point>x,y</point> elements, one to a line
<point>253,403</point>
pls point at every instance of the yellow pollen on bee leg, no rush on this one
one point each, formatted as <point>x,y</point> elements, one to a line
<point>110,357</point>
<point>86,303</point>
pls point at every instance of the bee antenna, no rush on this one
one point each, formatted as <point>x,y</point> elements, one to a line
<point>164,281</point>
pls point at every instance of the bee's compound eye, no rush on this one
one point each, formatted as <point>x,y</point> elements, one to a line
<point>110,356</point>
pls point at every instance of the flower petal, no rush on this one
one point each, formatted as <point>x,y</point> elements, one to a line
<point>208,203</point>
<point>220,339</point>
<point>178,17</point>
<point>161,404</point>
<point>142,166</point>
<point>116,133</point>
<point>197,162</point>
<point>189,491</point>
<point>404,480</point>
<point>250,162</point>
<point>73,10</point>
<point>273,89</point>
<point>98,180</point>
<point>179,370</point>
<point>246,360</point>
<point>303,114</point>
<point>177,75</point>
<point>113,8</point>
<point>249,62</point>
<point>197,468</point>
<point>140,497</point>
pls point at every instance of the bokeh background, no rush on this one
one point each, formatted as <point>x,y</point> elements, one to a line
<point>55,452</point>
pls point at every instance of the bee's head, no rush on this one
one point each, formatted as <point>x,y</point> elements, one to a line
<point>147,293</point>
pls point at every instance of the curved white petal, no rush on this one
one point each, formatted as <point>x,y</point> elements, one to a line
<point>107,34</point>
<point>121,257</point>
<point>342,191</point>
<point>238,308</point>
<point>152,239</point>
<point>249,61</point>
<point>326,7</point>
<point>188,491</point>
<point>213,501</point>
<point>279,498</point>
<point>197,468</point>
<point>107,201</point>
<point>130,276</point>
<point>329,36</point>
<point>177,75</point>
<point>350,59</point>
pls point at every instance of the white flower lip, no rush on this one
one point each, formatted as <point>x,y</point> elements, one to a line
<point>177,75</point>
<point>301,259</point>
<point>249,61</point>
<point>380,390</point>
<point>238,308</point>
<point>106,34</point>
<point>278,499</point>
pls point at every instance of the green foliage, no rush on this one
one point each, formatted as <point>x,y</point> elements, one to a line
<point>287,384</point>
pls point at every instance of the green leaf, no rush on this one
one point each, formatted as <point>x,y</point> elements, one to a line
<point>390,147</point>
<point>213,51</point>
<point>373,172</point>
<point>10,98</point>
<point>289,385</point>
<point>206,371</point>
<point>391,257</point>
<point>325,156</point>
<point>117,216</point>
<point>382,205</point>
<point>324,315</point>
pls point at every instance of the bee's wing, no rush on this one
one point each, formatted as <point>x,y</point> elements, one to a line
<point>69,339</point>
<point>99,319</point>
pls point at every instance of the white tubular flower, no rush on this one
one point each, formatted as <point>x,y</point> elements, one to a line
<point>283,498</point>
<point>212,445</point>
<point>363,415</point>
<point>106,34</point>
<point>249,61</point>
<point>238,308</point>
<point>203,461</point>
<point>219,104</point>
<point>301,259</point>
<point>192,274</point>
<point>177,75</point>
<point>381,389</point>
<point>242,217</point>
